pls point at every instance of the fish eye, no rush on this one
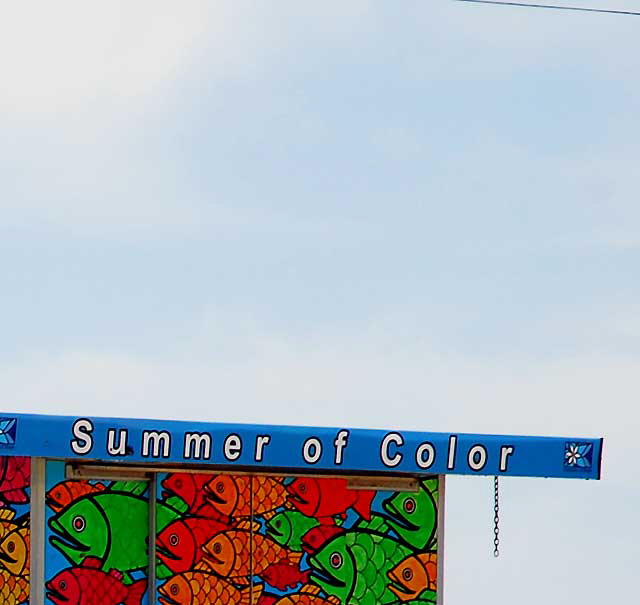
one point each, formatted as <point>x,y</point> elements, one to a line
<point>278,523</point>
<point>303,487</point>
<point>409,505</point>
<point>79,523</point>
<point>174,589</point>
<point>62,585</point>
<point>336,560</point>
<point>219,487</point>
<point>217,548</point>
<point>179,483</point>
<point>174,540</point>
<point>407,574</point>
<point>11,546</point>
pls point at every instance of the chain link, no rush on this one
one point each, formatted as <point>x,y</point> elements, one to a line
<point>496,518</point>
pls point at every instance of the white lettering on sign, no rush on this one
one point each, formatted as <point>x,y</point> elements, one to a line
<point>156,444</point>
<point>121,448</point>
<point>312,450</point>
<point>387,459</point>
<point>197,446</point>
<point>82,442</point>
<point>232,447</point>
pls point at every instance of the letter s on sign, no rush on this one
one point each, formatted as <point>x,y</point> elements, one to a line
<point>82,443</point>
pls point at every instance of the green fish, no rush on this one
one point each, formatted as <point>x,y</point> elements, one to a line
<point>112,526</point>
<point>353,567</point>
<point>288,527</point>
<point>414,516</point>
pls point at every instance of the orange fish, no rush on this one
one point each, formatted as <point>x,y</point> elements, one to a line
<point>13,589</point>
<point>308,595</point>
<point>228,553</point>
<point>201,588</point>
<point>241,496</point>
<point>14,552</point>
<point>66,492</point>
<point>414,575</point>
<point>8,521</point>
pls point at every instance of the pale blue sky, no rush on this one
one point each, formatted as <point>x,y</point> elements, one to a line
<point>417,214</point>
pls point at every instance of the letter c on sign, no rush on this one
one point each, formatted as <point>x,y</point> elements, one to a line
<point>394,460</point>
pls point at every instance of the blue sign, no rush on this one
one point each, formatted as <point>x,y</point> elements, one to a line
<point>301,449</point>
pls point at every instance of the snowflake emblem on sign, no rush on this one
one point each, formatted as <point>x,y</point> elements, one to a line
<point>578,455</point>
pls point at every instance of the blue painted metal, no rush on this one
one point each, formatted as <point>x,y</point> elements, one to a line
<point>299,449</point>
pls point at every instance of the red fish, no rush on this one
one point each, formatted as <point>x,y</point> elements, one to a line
<point>89,585</point>
<point>189,487</point>
<point>316,537</point>
<point>323,498</point>
<point>179,545</point>
<point>15,477</point>
<point>66,492</point>
<point>284,575</point>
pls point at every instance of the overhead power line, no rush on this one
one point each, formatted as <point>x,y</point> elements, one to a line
<point>554,7</point>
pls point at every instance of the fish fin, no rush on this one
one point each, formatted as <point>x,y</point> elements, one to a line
<point>288,504</point>
<point>242,580</point>
<point>333,600</point>
<point>202,566</point>
<point>23,521</point>
<point>362,505</point>
<point>310,589</point>
<point>277,479</point>
<point>294,557</point>
<point>92,563</point>
<point>136,593</point>
<point>99,487</point>
<point>135,488</point>
<point>269,515</point>
<point>7,514</point>
<point>16,496</point>
<point>377,524</point>
<point>247,525</point>
<point>338,521</point>
<point>177,504</point>
<point>162,571</point>
<point>250,594</point>
<point>114,573</point>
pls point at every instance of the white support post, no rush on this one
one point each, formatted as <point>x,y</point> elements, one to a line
<point>441,516</point>
<point>37,529</point>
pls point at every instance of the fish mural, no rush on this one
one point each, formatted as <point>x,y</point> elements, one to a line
<point>413,516</point>
<point>223,538</point>
<point>66,492</point>
<point>89,585</point>
<point>325,498</point>
<point>201,588</point>
<point>415,577</point>
<point>245,496</point>
<point>15,547</point>
<point>288,527</point>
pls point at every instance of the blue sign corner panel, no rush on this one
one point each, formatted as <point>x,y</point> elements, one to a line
<point>297,449</point>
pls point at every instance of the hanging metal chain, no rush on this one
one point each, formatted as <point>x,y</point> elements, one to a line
<point>496,518</point>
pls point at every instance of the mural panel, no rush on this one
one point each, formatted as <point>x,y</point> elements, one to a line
<point>270,540</point>
<point>97,540</point>
<point>15,484</point>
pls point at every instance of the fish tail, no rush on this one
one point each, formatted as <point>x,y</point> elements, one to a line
<point>362,504</point>
<point>136,593</point>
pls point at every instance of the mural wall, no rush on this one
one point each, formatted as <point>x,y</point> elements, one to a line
<point>240,540</point>
<point>15,484</point>
<point>271,540</point>
<point>97,540</point>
